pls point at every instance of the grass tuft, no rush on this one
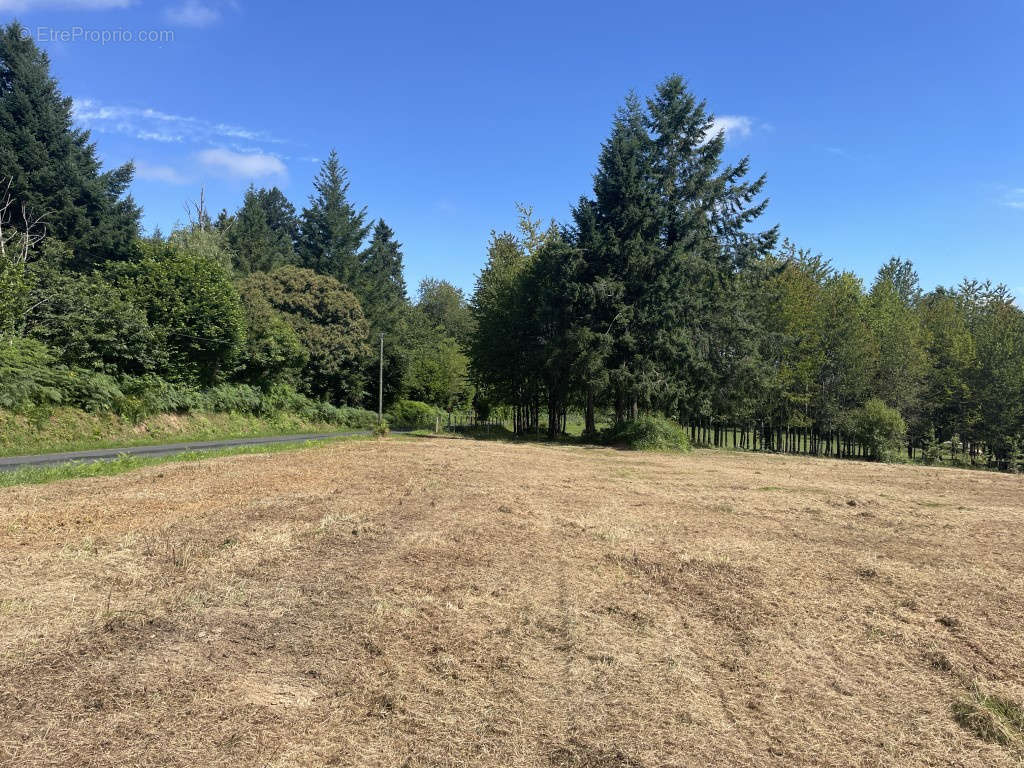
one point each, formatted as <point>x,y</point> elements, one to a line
<point>991,718</point>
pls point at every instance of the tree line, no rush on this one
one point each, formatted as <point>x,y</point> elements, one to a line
<point>268,297</point>
<point>661,295</point>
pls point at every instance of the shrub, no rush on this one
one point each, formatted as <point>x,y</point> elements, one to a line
<point>91,391</point>
<point>880,429</point>
<point>412,414</point>
<point>29,375</point>
<point>237,398</point>
<point>90,324</point>
<point>151,394</point>
<point>648,433</point>
<point>192,307</point>
<point>356,418</point>
<point>31,379</point>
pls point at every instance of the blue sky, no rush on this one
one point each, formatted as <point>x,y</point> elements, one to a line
<point>885,129</point>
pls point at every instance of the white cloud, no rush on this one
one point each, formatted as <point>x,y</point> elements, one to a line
<point>163,173</point>
<point>1014,199</point>
<point>192,13</point>
<point>81,5</point>
<point>252,165</point>
<point>150,124</point>
<point>733,125</point>
<point>159,136</point>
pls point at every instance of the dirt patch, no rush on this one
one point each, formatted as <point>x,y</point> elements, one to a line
<point>453,602</point>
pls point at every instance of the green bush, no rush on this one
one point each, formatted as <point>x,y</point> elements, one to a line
<point>91,391</point>
<point>32,382</point>
<point>237,398</point>
<point>149,395</point>
<point>354,418</point>
<point>412,414</point>
<point>192,308</point>
<point>89,323</point>
<point>29,375</point>
<point>283,398</point>
<point>648,433</point>
<point>880,429</point>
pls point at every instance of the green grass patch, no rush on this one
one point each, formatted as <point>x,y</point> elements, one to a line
<point>126,463</point>
<point>70,429</point>
<point>992,718</point>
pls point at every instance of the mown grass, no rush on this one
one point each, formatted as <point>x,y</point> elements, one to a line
<point>126,463</point>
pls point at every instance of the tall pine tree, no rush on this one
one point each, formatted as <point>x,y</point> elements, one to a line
<point>256,245</point>
<point>381,284</point>
<point>52,165</point>
<point>664,242</point>
<point>331,230</point>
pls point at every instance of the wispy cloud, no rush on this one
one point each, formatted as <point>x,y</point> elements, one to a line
<point>1014,198</point>
<point>153,125</point>
<point>733,125</point>
<point>192,13</point>
<point>248,165</point>
<point>164,173</point>
<point>81,5</point>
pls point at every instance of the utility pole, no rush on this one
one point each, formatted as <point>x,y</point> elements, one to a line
<point>380,385</point>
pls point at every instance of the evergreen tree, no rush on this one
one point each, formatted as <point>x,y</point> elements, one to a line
<point>501,349</point>
<point>381,291</point>
<point>331,230</point>
<point>53,166</point>
<point>256,246</point>
<point>381,286</point>
<point>281,218</point>
<point>665,246</point>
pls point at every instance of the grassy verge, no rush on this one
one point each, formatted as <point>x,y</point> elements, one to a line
<point>125,463</point>
<point>70,429</point>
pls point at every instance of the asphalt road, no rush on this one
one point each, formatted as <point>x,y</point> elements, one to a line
<point>105,454</point>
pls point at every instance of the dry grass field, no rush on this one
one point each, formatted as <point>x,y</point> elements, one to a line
<point>442,602</point>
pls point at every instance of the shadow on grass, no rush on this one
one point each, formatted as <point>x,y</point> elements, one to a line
<point>502,434</point>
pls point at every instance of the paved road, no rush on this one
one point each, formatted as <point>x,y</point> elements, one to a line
<point>105,454</point>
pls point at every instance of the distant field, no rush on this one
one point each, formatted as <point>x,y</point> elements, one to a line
<point>443,602</point>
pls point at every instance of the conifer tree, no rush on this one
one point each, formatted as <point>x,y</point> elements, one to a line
<point>53,166</point>
<point>381,284</point>
<point>331,230</point>
<point>281,217</point>
<point>256,246</point>
<point>664,242</point>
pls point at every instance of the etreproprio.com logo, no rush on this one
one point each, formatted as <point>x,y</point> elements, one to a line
<point>100,36</point>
